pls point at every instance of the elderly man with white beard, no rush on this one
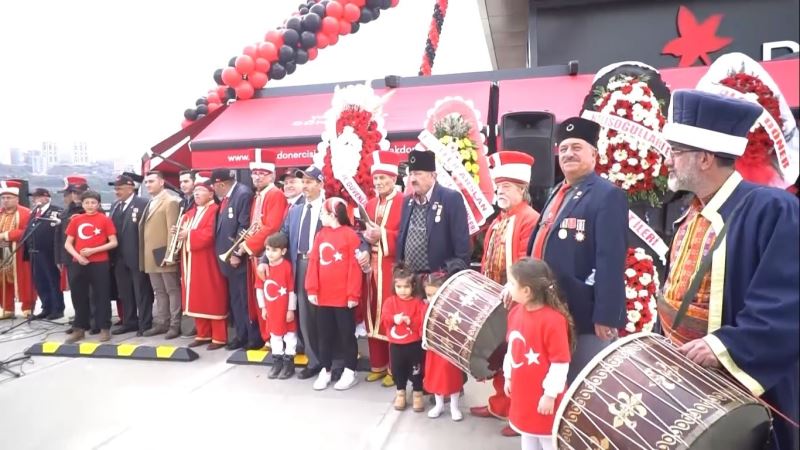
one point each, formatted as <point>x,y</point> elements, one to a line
<point>505,243</point>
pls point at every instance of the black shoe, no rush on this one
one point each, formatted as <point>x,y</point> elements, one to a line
<point>288,367</point>
<point>94,331</point>
<point>122,330</point>
<point>139,333</point>
<point>256,345</point>
<point>55,316</point>
<point>41,315</point>
<point>235,344</point>
<point>119,323</point>
<point>277,367</point>
<point>70,330</point>
<point>307,373</point>
<point>336,374</point>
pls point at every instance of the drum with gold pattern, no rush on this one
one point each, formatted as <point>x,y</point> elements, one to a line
<point>640,393</point>
<point>466,322</point>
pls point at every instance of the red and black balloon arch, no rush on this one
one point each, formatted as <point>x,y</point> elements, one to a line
<point>315,25</point>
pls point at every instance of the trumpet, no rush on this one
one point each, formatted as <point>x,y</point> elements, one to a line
<point>244,234</point>
<point>175,244</point>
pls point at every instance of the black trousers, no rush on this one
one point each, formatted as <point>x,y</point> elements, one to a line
<point>91,280</point>
<point>246,330</point>
<point>47,281</point>
<point>336,325</point>
<point>407,360</point>
<point>136,294</point>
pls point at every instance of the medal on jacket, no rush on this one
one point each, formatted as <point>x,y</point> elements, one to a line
<point>54,217</point>
<point>581,228</point>
<point>230,212</point>
<point>134,214</point>
<point>438,207</point>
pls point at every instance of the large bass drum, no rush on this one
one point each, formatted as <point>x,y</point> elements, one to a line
<point>640,393</point>
<point>466,322</point>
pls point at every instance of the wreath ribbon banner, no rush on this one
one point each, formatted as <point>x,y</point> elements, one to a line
<point>354,190</point>
<point>768,122</point>
<point>446,180</point>
<point>641,229</point>
<point>629,128</point>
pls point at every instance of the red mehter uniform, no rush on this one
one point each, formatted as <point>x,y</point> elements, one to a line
<point>205,290</point>
<point>441,376</point>
<point>403,333</point>
<point>536,339</point>
<point>279,298</point>
<point>334,274</point>
<point>15,280</point>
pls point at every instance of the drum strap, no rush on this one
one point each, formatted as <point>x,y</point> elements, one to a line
<point>705,266</point>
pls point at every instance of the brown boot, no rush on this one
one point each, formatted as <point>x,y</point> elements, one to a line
<point>400,400</point>
<point>105,336</point>
<point>76,335</point>
<point>418,402</point>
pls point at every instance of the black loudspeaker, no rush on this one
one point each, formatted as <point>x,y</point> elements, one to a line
<point>532,132</point>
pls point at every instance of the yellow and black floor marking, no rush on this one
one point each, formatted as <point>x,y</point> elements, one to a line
<point>117,351</point>
<point>264,358</point>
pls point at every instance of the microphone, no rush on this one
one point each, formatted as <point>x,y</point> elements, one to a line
<point>54,220</point>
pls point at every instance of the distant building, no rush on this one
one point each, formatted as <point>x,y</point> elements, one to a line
<point>38,162</point>
<point>80,154</point>
<point>50,154</point>
<point>17,158</point>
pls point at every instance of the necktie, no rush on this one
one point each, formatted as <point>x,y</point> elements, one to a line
<point>223,205</point>
<point>547,223</point>
<point>38,212</point>
<point>305,231</point>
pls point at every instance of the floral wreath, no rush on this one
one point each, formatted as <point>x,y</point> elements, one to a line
<point>760,162</point>
<point>641,288</point>
<point>455,123</point>
<point>353,130</point>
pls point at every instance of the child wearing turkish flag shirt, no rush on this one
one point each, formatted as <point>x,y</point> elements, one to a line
<point>333,284</point>
<point>442,378</point>
<point>403,314</point>
<point>540,339</point>
<point>89,238</point>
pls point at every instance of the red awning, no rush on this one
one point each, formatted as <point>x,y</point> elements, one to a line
<point>173,154</point>
<point>563,95</point>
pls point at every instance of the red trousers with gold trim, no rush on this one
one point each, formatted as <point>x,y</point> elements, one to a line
<point>214,329</point>
<point>499,403</point>
<point>378,353</point>
<point>9,294</point>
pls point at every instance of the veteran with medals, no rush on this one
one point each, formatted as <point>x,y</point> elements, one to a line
<point>731,299</point>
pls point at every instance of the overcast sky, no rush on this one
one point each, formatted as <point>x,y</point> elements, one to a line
<point>118,75</point>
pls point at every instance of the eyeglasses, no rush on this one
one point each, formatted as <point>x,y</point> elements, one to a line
<point>676,151</point>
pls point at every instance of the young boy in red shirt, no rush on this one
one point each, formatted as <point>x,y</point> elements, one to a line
<point>89,238</point>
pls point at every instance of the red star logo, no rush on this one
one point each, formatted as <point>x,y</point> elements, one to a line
<point>696,40</point>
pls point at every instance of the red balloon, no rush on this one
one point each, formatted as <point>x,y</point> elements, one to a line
<point>213,97</point>
<point>322,40</point>
<point>312,54</point>
<point>351,13</point>
<point>268,51</point>
<point>330,25</point>
<point>213,107</point>
<point>334,38</point>
<point>345,27</point>
<point>231,77</point>
<point>250,51</point>
<point>275,37</point>
<point>334,9</point>
<point>221,92</point>
<point>186,123</point>
<point>395,2</point>
<point>258,79</point>
<point>244,91</point>
<point>245,64</point>
<point>359,3</point>
<point>262,65</point>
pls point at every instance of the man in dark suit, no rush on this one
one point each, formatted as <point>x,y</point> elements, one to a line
<point>433,224</point>
<point>232,219</point>
<point>582,235</point>
<point>301,226</point>
<point>186,179</point>
<point>133,285</point>
<point>40,251</point>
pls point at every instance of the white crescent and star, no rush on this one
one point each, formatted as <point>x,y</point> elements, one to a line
<point>393,333</point>
<point>83,236</point>
<point>530,355</point>
<point>272,298</point>
<point>336,255</point>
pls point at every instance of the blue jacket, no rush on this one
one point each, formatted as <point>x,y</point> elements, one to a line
<point>291,228</point>
<point>448,238</point>
<point>230,221</point>
<point>590,271</point>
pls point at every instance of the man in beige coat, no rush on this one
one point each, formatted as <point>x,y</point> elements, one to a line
<point>160,215</point>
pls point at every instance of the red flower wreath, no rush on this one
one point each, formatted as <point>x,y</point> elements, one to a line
<point>641,286</point>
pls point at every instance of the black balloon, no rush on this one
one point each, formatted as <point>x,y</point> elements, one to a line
<point>308,40</point>
<point>386,4</point>
<point>293,23</point>
<point>202,109</point>
<point>366,16</point>
<point>303,10</point>
<point>190,114</point>
<point>286,53</point>
<point>218,77</point>
<point>312,22</point>
<point>201,101</point>
<point>376,12</point>
<point>290,67</point>
<point>232,62</point>
<point>318,9</point>
<point>373,3</point>
<point>354,27</point>
<point>301,56</point>
<point>277,71</point>
<point>230,93</point>
<point>291,37</point>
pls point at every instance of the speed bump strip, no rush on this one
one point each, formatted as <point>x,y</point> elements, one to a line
<point>117,351</point>
<point>265,358</point>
